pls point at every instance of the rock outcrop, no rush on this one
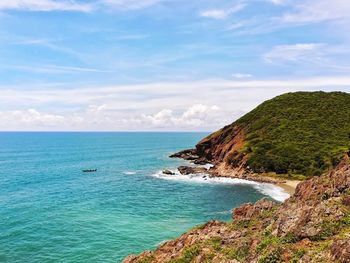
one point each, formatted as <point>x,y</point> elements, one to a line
<point>168,172</point>
<point>247,211</point>
<point>186,170</point>
<point>311,226</point>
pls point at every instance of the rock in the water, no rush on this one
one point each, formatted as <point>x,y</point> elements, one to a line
<point>185,170</point>
<point>189,155</point>
<point>168,172</point>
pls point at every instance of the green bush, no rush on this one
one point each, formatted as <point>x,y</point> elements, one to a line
<point>238,253</point>
<point>148,259</point>
<point>215,243</point>
<point>273,257</point>
<point>297,255</point>
<point>188,255</point>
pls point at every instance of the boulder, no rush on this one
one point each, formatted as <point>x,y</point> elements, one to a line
<point>185,170</point>
<point>247,211</point>
<point>189,155</point>
<point>168,172</point>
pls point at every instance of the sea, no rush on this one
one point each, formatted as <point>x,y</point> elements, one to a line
<point>51,211</point>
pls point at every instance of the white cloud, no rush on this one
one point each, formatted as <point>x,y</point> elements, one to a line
<point>162,118</point>
<point>242,76</point>
<point>45,5</point>
<point>50,44</point>
<point>130,4</point>
<point>221,13</point>
<point>277,2</point>
<point>293,53</point>
<point>95,109</point>
<point>30,117</point>
<point>56,69</point>
<point>313,56</point>
<point>198,112</point>
<point>74,5</point>
<point>313,11</point>
<point>192,118</point>
<point>235,26</point>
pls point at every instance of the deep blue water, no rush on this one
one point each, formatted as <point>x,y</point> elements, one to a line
<point>52,212</point>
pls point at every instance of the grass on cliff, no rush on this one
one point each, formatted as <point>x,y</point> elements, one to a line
<point>298,133</point>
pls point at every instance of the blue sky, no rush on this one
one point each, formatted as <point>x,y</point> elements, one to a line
<point>163,64</point>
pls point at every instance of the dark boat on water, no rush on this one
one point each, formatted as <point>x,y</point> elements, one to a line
<point>89,170</point>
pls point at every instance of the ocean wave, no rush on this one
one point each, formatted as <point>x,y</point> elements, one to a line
<point>271,190</point>
<point>129,172</point>
<point>207,166</point>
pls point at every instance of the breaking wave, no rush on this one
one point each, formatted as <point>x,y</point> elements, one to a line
<point>271,190</point>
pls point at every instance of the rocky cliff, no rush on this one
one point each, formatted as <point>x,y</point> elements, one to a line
<point>311,226</point>
<point>304,133</point>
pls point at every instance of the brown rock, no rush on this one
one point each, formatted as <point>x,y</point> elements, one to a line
<point>190,154</point>
<point>247,211</point>
<point>314,202</point>
<point>168,172</point>
<point>186,170</point>
<point>346,200</point>
<point>341,250</point>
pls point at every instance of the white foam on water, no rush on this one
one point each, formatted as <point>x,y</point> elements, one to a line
<point>271,190</point>
<point>207,166</point>
<point>129,172</point>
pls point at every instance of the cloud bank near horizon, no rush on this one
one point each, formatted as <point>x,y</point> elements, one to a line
<point>182,106</point>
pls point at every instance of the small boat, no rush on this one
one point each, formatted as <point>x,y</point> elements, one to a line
<point>89,170</point>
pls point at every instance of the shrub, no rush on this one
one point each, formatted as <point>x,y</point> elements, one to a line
<point>273,257</point>
<point>188,255</point>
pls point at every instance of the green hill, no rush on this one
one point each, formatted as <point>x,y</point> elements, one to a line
<point>297,133</point>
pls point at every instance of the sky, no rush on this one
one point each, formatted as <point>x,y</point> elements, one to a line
<point>163,65</point>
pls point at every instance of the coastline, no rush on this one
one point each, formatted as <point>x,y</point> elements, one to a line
<point>289,186</point>
<point>199,165</point>
<point>278,189</point>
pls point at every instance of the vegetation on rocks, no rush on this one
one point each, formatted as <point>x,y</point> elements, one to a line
<point>296,133</point>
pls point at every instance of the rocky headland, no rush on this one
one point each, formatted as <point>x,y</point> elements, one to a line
<point>303,136</point>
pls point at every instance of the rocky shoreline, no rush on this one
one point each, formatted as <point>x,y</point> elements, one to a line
<point>311,226</point>
<point>220,169</point>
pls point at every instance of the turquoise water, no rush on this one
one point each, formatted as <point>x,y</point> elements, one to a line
<point>52,212</point>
